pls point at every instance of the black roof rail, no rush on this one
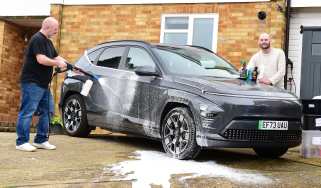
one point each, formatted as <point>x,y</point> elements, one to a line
<point>200,47</point>
<point>139,41</point>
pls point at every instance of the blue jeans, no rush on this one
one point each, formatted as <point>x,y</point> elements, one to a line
<point>34,100</point>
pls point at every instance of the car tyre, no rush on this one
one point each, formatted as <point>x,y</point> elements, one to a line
<point>179,134</point>
<point>270,152</point>
<point>74,116</point>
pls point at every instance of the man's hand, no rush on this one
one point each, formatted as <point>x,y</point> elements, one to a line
<point>61,63</point>
<point>265,80</point>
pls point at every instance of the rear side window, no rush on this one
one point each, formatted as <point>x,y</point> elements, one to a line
<point>138,57</point>
<point>111,57</point>
<point>92,56</point>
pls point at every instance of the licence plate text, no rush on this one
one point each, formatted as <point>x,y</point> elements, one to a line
<point>273,125</point>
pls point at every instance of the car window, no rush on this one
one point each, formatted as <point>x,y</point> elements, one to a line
<point>111,57</point>
<point>195,61</point>
<point>138,57</point>
<point>92,56</point>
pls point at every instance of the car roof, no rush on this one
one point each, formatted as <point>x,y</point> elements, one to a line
<point>142,44</point>
<point>120,42</point>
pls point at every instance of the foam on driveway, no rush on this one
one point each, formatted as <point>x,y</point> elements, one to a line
<point>150,167</point>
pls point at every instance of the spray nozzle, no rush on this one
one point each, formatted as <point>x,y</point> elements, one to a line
<point>69,66</point>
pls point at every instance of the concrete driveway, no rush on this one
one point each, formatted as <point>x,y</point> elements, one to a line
<point>101,161</point>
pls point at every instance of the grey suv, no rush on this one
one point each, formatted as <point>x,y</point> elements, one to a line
<point>187,97</point>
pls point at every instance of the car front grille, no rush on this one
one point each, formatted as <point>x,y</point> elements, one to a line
<point>262,135</point>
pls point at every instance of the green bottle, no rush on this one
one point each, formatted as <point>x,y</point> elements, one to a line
<point>243,71</point>
<point>254,74</point>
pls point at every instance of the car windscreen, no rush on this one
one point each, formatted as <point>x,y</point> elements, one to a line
<point>195,61</point>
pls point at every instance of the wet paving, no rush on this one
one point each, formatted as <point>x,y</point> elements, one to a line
<point>91,162</point>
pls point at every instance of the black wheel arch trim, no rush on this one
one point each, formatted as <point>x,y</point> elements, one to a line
<point>189,100</point>
<point>70,86</point>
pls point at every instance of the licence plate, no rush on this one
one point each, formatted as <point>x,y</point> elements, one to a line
<point>273,125</point>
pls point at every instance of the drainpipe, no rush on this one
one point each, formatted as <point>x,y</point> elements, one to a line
<point>286,43</point>
<point>55,81</point>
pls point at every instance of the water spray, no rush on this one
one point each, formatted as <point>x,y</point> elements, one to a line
<point>88,83</point>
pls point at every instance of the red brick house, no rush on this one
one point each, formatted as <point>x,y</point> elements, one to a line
<point>228,27</point>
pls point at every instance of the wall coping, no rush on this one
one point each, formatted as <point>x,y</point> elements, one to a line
<point>42,8</point>
<point>110,2</point>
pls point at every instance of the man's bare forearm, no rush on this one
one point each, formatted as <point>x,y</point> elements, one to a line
<point>44,60</point>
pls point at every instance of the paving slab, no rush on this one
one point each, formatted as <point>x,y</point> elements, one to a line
<point>87,162</point>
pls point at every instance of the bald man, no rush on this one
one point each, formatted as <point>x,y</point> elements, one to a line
<point>40,58</point>
<point>270,62</point>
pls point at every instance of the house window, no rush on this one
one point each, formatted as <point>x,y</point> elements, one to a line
<point>191,29</point>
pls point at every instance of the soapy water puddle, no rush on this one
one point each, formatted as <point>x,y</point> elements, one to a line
<point>151,167</point>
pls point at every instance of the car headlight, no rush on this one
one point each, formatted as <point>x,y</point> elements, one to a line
<point>206,113</point>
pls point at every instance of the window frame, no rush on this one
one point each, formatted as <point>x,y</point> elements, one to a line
<point>315,42</point>
<point>121,59</point>
<point>94,62</point>
<point>190,28</point>
<point>127,53</point>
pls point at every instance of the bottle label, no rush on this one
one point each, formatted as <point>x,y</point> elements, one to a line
<point>86,87</point>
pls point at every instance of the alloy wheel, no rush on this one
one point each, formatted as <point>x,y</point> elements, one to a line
<point>72,115</point>
<point>176,133</point>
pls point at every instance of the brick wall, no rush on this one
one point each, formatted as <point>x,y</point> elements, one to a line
<point>11,61</point>
<point>239,29</point>
<point>84,26</point>
<point>1,40</point>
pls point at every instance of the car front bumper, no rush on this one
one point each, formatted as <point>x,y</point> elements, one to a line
<point>245,134</point>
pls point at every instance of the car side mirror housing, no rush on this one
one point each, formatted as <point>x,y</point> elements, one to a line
<point>146,71</point>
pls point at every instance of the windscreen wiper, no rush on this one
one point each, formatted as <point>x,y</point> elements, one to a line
<point>222,68</point>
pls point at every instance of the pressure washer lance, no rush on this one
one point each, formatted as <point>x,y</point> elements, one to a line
<point>88,83</point>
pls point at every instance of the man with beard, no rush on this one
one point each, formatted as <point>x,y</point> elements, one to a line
<point>270,63</point>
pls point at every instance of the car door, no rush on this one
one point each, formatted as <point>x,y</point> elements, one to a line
<point>137,99</point>
<point>105,107</point>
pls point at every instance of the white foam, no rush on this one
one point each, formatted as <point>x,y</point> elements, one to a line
<point>156,168</point>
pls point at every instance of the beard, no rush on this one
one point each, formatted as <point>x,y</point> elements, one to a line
<point>265,46</point>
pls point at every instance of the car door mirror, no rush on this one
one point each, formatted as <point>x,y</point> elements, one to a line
<point>146,71</point>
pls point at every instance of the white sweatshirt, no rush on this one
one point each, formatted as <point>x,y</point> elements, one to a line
<point>271,66</point>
